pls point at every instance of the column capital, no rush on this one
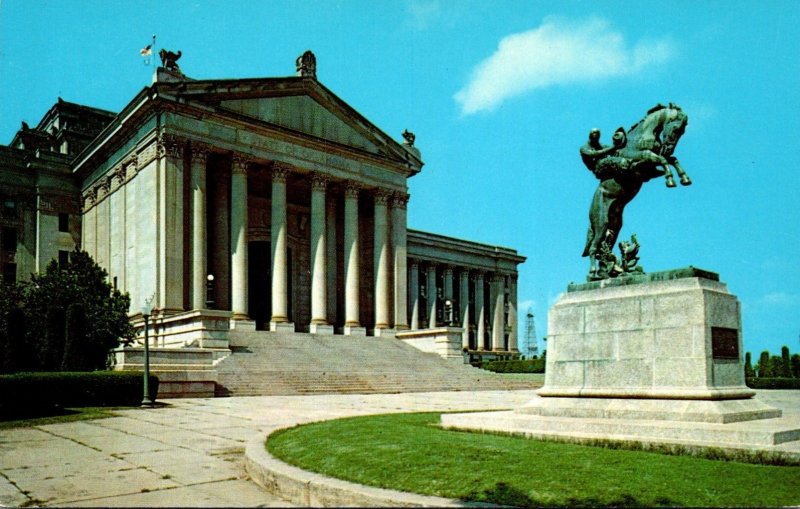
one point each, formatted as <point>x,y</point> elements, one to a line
<point>170,145</point>
<point>199,152</point>
<point>119,175</point>
<point>414,264</point>
<point>400,200</point>
<point>448,269</point>
<point>381,196</point>
<point>496,277</point>
<point>319,181</point>
<point>280,171</point>
<point>351,189</point>
<point>240,163</point>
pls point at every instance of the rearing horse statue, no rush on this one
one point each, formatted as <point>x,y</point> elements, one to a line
<point>646,151</point>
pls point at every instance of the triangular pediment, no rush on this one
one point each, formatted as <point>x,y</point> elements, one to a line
<point>300,105</point>
<point>303,114</point>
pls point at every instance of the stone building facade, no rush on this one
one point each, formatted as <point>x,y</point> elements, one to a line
<point>255,204</point>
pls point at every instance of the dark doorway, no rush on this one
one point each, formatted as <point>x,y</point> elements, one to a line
<point>259,283</point>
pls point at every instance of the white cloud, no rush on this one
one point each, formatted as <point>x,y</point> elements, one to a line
<point>556,53</point>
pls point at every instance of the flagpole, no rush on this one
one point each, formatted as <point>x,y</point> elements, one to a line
<point>153,57</point>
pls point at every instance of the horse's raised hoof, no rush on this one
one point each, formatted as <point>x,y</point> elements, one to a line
<point>670,182</point>
<point>686,181</point>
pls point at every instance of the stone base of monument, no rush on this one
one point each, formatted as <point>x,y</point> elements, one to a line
<point>649,358</point>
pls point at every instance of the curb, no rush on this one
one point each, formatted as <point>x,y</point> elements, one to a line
<point>309,489</point>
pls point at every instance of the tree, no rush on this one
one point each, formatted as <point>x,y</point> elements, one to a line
<point>98,318</point>
<point>795,361</point>
<point>13,328</point>
<point>764,367</point>
<point>786,363</point>
<point>748,366</point>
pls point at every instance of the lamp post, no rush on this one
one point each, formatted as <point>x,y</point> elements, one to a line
<point>210,291</point>
<point>147,309</point>
<point>448,312</point>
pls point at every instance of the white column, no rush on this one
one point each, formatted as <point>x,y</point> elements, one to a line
<point>463,300</point>
<point>239,263</point>
<point>199,227</point>
<point>414,289</point>
<point>352,324</point>
<point>480,312</point>
<point>432,294</point>
<point>498,309</point>
<point>280,271</point>
<point>170,222</point>
<point>400,249</point>
<point>319,283</point>
<point>381,255</point>
<point>512,313</point>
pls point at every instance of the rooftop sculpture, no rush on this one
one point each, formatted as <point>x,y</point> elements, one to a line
<point>642,153</point>
<point>169,59</point>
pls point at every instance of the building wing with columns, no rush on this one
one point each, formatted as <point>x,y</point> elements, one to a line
<point>269,204</point>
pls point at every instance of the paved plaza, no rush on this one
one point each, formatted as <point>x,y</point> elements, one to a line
<point>190,452</point>
<point>187,453</point>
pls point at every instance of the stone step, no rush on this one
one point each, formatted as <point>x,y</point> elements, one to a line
<point>301,363</point>
<point>731,434</point>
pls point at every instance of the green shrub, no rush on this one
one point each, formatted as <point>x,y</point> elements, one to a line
<point>28,394</point>
<point>773,383</point>
<point>515,366</point>
<point>74,300</point>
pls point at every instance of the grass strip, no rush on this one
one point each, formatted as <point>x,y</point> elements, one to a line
<point>409,452</point>
<point>65,415</point>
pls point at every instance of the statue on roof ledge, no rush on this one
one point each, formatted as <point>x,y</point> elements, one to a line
<point>307,65</point>
<point>169,60</point>
<point>409,137</point>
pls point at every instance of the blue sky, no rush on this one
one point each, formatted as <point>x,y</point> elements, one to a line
<point>500,95</point>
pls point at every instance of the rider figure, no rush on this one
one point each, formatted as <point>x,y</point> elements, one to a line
<point>592,151</point>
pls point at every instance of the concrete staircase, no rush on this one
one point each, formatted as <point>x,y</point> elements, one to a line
<point>270,363</point>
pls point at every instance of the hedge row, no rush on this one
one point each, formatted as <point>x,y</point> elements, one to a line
<point>23,394</point>
<point>515,366</point>
<point>773,383</point>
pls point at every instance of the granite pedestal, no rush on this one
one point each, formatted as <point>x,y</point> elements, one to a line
<point>647,358</point>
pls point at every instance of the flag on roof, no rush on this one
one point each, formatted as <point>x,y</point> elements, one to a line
<point>146,51</point>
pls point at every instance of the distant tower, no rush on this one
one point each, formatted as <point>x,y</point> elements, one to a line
<point>530,334</point>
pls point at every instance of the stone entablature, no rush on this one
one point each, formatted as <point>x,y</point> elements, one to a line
<point>424,246</point>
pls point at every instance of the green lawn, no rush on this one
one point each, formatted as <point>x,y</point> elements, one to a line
<point>409,452</point>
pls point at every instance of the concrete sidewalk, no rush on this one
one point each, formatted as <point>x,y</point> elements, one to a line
<point>188,453</point>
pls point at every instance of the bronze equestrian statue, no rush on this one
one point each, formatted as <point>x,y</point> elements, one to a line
<point>642,153</point>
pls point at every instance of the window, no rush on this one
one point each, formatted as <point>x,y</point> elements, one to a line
<point>63,259</point>
<point>63,222</point>
<point>10,208</point>
<point>9,239</point>
<point>10,272</point>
